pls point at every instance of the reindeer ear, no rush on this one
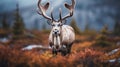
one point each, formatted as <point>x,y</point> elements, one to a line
<point>64,22</point>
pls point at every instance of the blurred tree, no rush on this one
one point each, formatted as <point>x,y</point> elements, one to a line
<point>36,24</point>
<point>101,40</point>
<point>18,26</point>
<point>104,30</point>
<point>87,27</point>
<point>44,26</point>
<point>4,29</point>
<point>117,28</point>
<point>87,30</point>
<point>75,27</point>
<point>5,25</point>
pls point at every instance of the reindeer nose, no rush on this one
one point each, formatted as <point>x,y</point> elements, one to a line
<point>56,31</point>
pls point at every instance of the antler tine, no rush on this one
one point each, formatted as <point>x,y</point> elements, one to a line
<point>60,15</point>
<point>70,8</point>
<point>42,10</point>
<point>52,14</point>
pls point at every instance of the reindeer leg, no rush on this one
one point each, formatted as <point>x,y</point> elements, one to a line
<point>63,50</point>
<point>69,48</point>
<point>54,51</point>
<point>51,44</point>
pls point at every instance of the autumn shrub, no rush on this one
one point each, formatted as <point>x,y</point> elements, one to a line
<point>12,57</point>
<point>88,58</point>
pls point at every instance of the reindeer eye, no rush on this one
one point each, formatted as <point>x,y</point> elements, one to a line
<point>53,24</point>
<point>59,24</point>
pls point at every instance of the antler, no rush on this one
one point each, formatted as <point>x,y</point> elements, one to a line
<point>70,8</point>
<point>42,10</point>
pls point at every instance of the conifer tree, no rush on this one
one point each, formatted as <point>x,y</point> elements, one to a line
<point>18,26</point>
<point>117,28</point>
<point>5,25</point>
<point>75,27</point>
<point>101,39</point>
<point>104,30</point>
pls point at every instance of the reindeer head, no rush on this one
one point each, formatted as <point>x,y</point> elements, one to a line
<point>56,25</point>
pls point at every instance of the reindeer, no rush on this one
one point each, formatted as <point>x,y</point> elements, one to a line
<point>61,36</point>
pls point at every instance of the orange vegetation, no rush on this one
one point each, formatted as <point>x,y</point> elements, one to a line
<point>82,55</point>
<point>19,58</point>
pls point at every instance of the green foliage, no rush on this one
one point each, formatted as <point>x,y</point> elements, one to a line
<point>103,43</point>
<point>101,40</point>
<point>18,27</point>
<point>104,31</point>
<point>75,27</point>
<point>117,28</point>
<point>5,25</point>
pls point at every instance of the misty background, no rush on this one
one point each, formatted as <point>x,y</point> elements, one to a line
<point>95,13</point>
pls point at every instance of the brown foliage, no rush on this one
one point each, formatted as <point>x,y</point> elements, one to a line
<point>82,55</point>
<point>18,58</point>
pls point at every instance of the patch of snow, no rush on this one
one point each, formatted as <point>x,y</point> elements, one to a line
<point>113,60</point>
<point>30,47</point>
<point>4,40</point>
<point>113,51</point>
